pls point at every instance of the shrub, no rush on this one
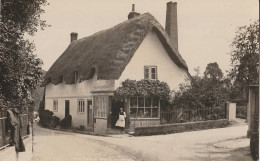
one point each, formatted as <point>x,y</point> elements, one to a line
<point>55,121</point>
<point>45,117</point>
<point>241,112</point>
<point>66,122</point>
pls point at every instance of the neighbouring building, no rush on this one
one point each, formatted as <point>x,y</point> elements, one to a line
<point>82,81</point>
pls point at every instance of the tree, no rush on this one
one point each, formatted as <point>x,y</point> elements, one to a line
<point>244,59</point>
<point>213,71</point>
<point>20,70</point>
<point>208,91</point>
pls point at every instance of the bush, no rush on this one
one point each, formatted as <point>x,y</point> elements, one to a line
<point>45,117</point>
<point>66,122</point>
<point>241,112</point>
<point>55,121</point>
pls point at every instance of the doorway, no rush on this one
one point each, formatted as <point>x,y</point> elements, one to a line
<point>89,113</point>
<point>116,105</point>
<point>67,108</point>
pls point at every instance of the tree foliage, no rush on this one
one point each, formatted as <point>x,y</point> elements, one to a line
<point>245,55</point>
<point>213,71</point>
<point>144,88</point>
<point>20,69</point>
<point>207,91</point>
<point>244,59</point>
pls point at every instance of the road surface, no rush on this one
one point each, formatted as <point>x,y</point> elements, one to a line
<point>51,145</point>
<point>222,144</point>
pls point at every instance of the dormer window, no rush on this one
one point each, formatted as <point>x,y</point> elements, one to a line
<point>91,73</point>
<point>75,77</point>
<point>62,80</point>
<point>150,72</point>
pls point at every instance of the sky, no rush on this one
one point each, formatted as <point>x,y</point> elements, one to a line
<point>206,28</point>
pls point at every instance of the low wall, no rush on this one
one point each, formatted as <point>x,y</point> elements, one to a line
<point>180,127</point>
<point>101,125</point>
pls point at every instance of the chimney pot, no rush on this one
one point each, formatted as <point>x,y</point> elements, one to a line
<point>73,36</point>
<point>171,25</point>
<point>133,13</point>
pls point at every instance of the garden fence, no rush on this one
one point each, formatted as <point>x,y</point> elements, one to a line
<point>5,132</point>
<point>171,116</point>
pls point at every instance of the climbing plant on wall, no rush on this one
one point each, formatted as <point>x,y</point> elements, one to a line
<point>144,88</point>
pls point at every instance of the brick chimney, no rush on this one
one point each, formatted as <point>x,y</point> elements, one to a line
<point>73,36</point>
<point>171,25</point>
<point>133,13</point>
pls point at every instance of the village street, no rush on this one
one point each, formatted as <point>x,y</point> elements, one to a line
<point>215,144</point>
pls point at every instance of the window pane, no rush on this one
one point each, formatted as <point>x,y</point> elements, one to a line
<point>147,113</point>
<point>153,70</point>
<point>153,76</point>
<point>155,102</point>
<point>146,72</point>
<point>133,102</point>
<point>153,73</point>
<point>148,102</point>
<point>140,113</point>
<point>154,112</point>
<point>140,102</point>
<point>133,112</point>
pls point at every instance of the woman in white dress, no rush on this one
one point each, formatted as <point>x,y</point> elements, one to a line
<point>121,120</point>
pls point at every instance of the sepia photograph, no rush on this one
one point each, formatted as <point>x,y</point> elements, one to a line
<point>133,80</point>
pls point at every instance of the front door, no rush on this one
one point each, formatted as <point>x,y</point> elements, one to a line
<point>89,113</point>
<point>67,108</point>
<point>116,105</point>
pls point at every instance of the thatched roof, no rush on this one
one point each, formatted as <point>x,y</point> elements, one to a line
<point>109,51</point>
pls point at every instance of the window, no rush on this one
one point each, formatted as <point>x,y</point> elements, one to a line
<point>91,73</point>
<point>150,72</point>
<point>81,106</point>
<point>75,77</point>
<point>101,106</point>
<point>55,105</point>
<point>144,107</point>
<point>62,80</point>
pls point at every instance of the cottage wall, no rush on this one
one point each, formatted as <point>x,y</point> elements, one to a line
<point>73,92</point>
<point>152,52</point>
<point>62,92</point>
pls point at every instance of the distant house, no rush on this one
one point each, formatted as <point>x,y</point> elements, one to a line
<point>83,79</point>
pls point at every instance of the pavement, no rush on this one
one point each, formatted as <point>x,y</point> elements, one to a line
<point>9,154</point>
<point>222,144</point>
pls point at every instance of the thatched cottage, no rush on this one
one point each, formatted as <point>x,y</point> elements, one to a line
<point>83,79</point>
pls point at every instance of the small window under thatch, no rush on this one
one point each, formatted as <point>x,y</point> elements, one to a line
<point>91,73</point>
<point>61,79</point>
<point>75,77</point>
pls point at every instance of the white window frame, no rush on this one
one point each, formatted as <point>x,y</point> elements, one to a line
<point>150,72</point>
<point>145,107</point>
<point>81,105</point>
<point>55,105</point>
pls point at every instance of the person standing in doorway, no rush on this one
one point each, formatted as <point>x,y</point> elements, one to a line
<point>121,120</point>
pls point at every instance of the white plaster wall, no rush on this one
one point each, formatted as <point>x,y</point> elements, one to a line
<point>152,52</point>
<point>77,118</point>
<point>73,92</point>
